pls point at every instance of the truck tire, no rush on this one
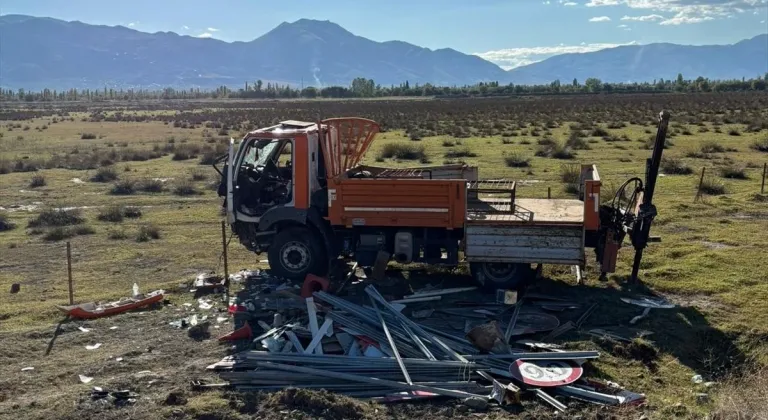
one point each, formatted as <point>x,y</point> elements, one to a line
<point>492,276</point>
<point>296,252</point>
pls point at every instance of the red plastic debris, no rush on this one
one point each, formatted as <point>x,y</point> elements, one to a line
<point>313,283</point>
<point>238,334</point>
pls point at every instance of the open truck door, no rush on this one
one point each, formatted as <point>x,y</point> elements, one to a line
<point>230,182</point>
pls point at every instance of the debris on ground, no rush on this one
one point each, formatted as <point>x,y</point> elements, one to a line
<point>466,345</point>
<point>15,288</point>
<point>85,379</point>
<point>92,310</point>
<point>118,398</point>
<point>27,369</point>
<point>93,346</point>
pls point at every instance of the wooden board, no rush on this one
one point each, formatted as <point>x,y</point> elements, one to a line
<point>534,211</point>
<point>526,243</point>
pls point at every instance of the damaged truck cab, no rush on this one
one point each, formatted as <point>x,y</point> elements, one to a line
<point>297,190</point>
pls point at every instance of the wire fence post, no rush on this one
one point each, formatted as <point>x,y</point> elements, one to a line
<point>765,170</point>
<point>701,181</point>
<point>549,192</point>
<point>69,273</point>
<point>226,263</point>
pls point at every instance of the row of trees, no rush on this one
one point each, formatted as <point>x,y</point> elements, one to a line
<point>367,88</point>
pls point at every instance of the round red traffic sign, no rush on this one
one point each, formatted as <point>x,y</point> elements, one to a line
<point>546,373</point>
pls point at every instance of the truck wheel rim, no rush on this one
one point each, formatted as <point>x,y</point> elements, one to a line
<point>499,271</point>
<point>295,256</point>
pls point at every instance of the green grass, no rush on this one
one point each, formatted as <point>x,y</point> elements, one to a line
<point>711,259</point>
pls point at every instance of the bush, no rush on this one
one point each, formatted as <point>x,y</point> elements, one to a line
<point>184,188</point>
<point>147,232</point>
<point>37,181</point>
<point>132,212</point>
<point>57,217</point>
<point>123,187</point>
<point>111,214</point>
<point>88,136</point>
<point>675,166</point>
<point>460,153</point>
<point>58,234</point>
<point>185,152</point>
<point>576,142</point>
<point>712,186</point>
<point>711,146</point>
<point>83,230</point>
<point>5,167</point>
<point>198,175</point>
<point>209,158</point>
<point>448,143</point>
<point>151,185</point>
<point>516,160</point>
<point>546,141</point>
<point>570,173</point>
<point>556,151</point>
<point>733,132</point>
<point>117,234</point>
<point>599,132</point>
<point>760,145</point>
<point>506,140</point>
<point>734,172</point>
<point>651,141</point>
<point>402,151</point>
<point>5,224</point>
<point>104,174</point>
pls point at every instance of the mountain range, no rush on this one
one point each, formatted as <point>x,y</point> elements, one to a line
<point>40,52</point>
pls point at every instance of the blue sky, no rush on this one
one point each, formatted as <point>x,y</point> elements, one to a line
<point>510,33</point>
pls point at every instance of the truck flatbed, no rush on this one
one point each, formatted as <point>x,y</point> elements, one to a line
<point>537,211</point>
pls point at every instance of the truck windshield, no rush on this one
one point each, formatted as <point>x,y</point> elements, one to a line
<point>265,151</point>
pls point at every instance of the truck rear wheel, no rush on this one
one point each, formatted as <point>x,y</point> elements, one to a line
<point>296,252</point>
<point>492,276</point>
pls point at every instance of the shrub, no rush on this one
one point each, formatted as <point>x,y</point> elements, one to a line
<point>83,230</point>
<point>711,146</point>
<point>570,173</point>
<point>576,142</point>
<point>57,217</point>
<point>506,140</point>
<point>516,160</point>
<point>460,153</point>
<point>402,151</point>
<point>58,234</point>
<point>448,143</point>
<point>117,234</point>
<point>132,212</point>
<point>733,132</point>
<point>184,188</point>
<point>198,175</point>
<point>734,172</point>
<point>5,224</point>
<point>150,185</point>
<point>546,141</point>
<point>760,145</point>
<point>525,141</point>
<point>675,166</point>
<point>37,181</point>
<point>599,132</point>
<point>111,214</point>
<point>651,141</point>
<point>147,232</point>
<point>123,187</point>
<point>88,136</point>
<point>104,174</point>
<point>5,167</point>
<point>209,158</point>
<point>712,186</point>
<point>556,151</point>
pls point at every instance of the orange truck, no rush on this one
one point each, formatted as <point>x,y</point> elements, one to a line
<point>298,191</point>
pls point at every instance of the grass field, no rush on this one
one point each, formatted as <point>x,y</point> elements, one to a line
<point>141,163</point>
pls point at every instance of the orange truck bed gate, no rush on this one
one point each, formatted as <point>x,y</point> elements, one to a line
<point>397,202</point>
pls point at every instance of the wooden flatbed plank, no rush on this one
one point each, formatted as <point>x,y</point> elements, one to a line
<point>535,211</point>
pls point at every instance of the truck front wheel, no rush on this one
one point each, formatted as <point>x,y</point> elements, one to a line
<point>296,252</point>
<point>492,276</point>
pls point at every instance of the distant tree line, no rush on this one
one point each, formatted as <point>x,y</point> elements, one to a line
<point>367,88</point>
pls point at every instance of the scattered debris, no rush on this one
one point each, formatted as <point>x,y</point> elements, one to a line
<point>637,319</point>
<point>93,347</point>
<point>83,329</point>
<point>96,310</point>
<point>113,328</point>
<point>204,304</point>
<point>15,288</point>
<point>649,302</point>
<point>697,379</point>
<point>85,379</point>
<point>27,369</point>
<point>119,398</point>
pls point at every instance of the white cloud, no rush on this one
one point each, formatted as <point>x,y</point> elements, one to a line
<point>213,30</point>
<point>681,19</point>
<point>545,2</point>
<point>515,57</point>
<point>647,18</point>
<point>205,35</point>
<point>132,24</point>
<point>600,19</point>
<point>185,27</point>
<point>599,3</point>
<point>570,3</point>
<point>688,11</point>
<point>762,21</point>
